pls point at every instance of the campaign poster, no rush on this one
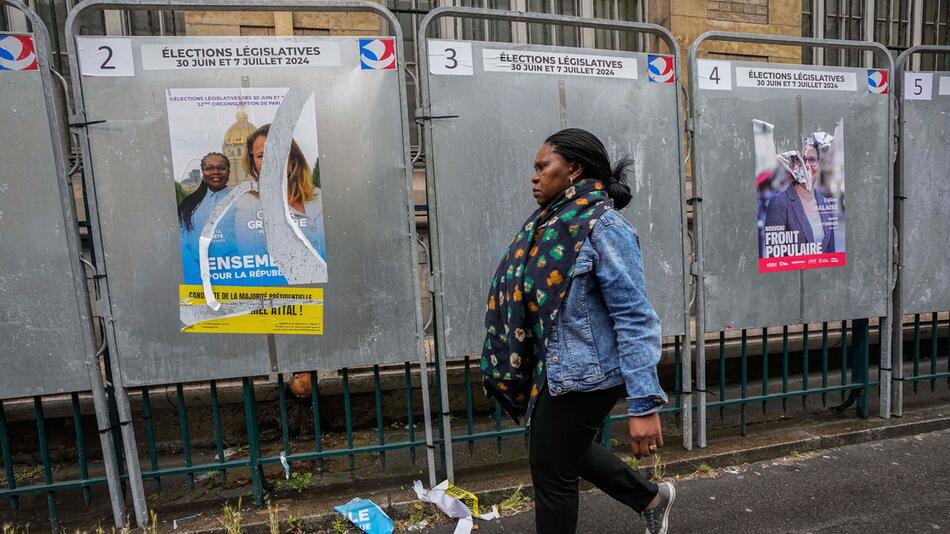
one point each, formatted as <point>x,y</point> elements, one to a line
<point>234,280</point>
<point>800,192</point>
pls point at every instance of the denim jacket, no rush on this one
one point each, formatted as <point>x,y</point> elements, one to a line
<point>607,332</point>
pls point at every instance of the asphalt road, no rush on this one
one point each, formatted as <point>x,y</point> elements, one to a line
<point>894,486</point>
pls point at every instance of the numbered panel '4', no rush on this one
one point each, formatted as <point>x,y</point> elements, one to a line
<point>715,75</point>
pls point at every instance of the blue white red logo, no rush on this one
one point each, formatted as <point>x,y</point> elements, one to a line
<point>377,54</point>
<point>877,82</point>
<point>17,53</point>
<point>660,69</point>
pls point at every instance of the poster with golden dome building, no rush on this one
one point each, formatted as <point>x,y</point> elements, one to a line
<point>217,138</point>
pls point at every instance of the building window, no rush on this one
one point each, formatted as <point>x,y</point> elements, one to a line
<point>844,19</point>
<point>935,27</point>
<point>897,24</point>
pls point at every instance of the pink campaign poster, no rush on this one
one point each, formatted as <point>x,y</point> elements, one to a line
<point>800,191</point>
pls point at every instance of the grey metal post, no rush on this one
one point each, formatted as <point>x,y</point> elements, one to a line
<point>908,60</point>
<point>916,18</point>
<point>697,155</point>
<point>72,28</point>
<point>436,257</point>
<point>96,385</point>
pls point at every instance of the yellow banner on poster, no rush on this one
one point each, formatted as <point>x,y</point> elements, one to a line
<point>281,310</point>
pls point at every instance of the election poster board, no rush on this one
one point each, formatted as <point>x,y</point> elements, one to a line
<point>793,168</point>
<point>925,191</point>
<point>45,329</point>
<point>497,103</point>
<point>304,234</point>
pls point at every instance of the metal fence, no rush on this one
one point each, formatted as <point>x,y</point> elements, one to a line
<point>759,107</point>
<point>923,287</point>
<point>49,343</point>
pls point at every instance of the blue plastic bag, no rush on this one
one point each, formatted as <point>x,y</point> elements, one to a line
<point>366,515</point>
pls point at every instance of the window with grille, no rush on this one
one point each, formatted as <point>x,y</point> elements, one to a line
<point>935,26</point>
<point>894,23</point>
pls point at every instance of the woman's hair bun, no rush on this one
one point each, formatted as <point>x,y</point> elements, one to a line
<point>617,187</point>
<point>620,193</point>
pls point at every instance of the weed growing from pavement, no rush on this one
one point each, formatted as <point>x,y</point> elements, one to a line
<point>273,519</point>
<point>295,524</point>
<point>417,514</point>
<point>659,469</point>
<point>300,481</point>
<point>704,469</point>
<point>516,502</point>
<point>795,455</point>
<point>231,518</point>
<point>152,522</point>
<point>633,462</point>
<point>340,525</point>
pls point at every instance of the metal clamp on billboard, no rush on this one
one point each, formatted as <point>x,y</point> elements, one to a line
<point>922,193</point>
<point>792,170</point>
<point>488,106</point>
<point>250,197</point>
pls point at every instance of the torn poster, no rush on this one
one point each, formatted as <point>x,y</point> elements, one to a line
<point>800,194</point>
<point>250,210</point>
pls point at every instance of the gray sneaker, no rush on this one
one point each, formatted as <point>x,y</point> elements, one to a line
<point>658,517</point>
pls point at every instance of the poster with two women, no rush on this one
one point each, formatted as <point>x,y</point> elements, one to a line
<point>251,228</point>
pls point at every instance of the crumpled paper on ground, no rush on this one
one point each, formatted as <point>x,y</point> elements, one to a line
<point>442,496</point>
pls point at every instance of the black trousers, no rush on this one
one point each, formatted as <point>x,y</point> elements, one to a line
<point>562,449</point>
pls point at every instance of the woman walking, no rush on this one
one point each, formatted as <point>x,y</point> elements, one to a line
<point>571,332</point>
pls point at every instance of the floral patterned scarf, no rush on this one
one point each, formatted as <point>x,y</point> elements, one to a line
<point>526,293</point>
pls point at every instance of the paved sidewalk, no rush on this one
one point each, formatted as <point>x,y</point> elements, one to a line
<point>897,485</point>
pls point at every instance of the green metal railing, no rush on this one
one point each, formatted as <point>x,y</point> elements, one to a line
<point>776,377</point>
<point>253,460</point>
<point>508,428</point>
<point>12,490</point>
<point>926,361</point>
<point>293,451</point>
<point>782,375</point>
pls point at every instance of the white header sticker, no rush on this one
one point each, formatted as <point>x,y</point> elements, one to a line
<point>715,75</point>
<point>533,62</point>
<point>451,57</point>
<point>105,56</point>
<point>255,52</point>
<point>769,78</point>
<point>918,85</point>
<point>944,88</point>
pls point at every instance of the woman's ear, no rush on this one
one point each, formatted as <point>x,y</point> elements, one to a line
<point>576,171</point>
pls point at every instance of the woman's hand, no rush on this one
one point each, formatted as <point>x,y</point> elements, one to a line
<point>646,434</point>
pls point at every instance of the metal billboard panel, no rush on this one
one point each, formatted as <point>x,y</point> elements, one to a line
<point>925,188</point>
<point>482,161</point>
<point>43,324</point>
<point>370,300</point>
<point>737,295</point>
